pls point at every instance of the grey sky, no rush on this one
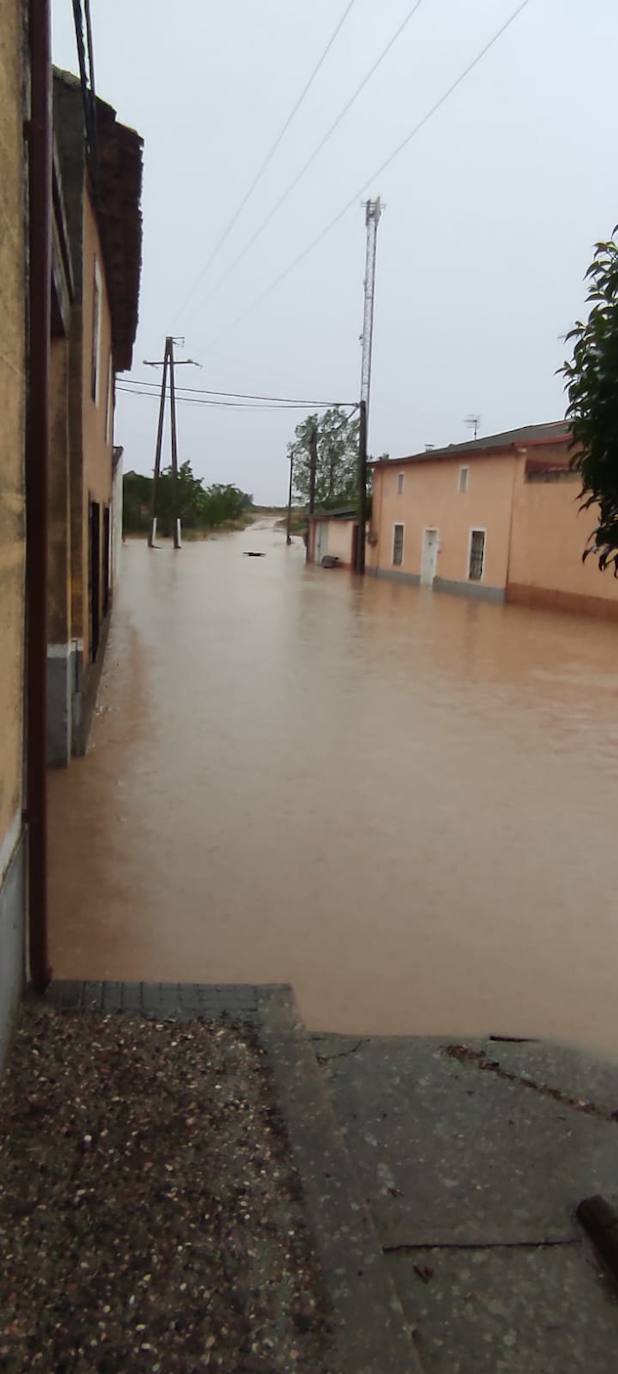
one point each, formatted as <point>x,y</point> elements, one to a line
<point>491,213</point>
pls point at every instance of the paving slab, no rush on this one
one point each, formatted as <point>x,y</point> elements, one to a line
<point>509,1311</point>
<point>473,1159</point>
<point>584,1078</point>
<point>449,1153</point>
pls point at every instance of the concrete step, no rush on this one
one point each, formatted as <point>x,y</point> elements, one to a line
<point>373,1336</point>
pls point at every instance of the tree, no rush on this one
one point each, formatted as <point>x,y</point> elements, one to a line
<point>336,474</point>
<point>592,388</point>
<point>199,507</point>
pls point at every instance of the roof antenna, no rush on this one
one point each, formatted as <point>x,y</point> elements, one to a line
<point>473,422</point>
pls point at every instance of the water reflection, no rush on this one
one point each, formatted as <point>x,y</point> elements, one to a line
<point>401,803</point>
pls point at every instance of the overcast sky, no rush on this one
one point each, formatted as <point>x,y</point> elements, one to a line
<point>491,211</point>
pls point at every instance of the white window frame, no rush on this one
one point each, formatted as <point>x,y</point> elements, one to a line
<point>398,525</point>
<point>95,361</point>
<point>463,482</point>
<point>477,529</point>
<point>401,482</point>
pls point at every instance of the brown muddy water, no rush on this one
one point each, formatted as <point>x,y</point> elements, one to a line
<point>404,804</point>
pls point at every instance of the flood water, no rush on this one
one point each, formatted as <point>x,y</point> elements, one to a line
<point>404,804</point>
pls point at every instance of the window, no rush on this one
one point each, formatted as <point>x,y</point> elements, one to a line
<point>400,483</point>
<point>397,545</point>
<point>96,334</point>
<point>477,555</point>
<point>109,409</point>
<point>464,474</point>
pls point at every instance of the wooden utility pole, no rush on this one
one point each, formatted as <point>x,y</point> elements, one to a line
<point>373,210</point>
<point>288,532</point>
<point>157,463</point>
<point>312,444</point>
<point>168,363</point>
<point>174,438</point>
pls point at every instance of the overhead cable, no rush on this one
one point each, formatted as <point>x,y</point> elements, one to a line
<point>353,201</point>
<point>312,156</point>
<point>239,395</point>
<point>267,159</point>
<point>238,405</point>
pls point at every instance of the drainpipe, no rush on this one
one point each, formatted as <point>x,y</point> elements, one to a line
<point>37,457</point>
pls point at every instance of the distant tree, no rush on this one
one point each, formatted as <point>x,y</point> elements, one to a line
<point>136,499</point>
<point>199,507</point>
<point>337,440</point>
<point>592,388</point>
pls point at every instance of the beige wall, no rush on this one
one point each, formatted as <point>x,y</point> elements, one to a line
<point>431,500</point>
<point>93,480</point>
<point>58,564</point>
<point>12,411</point>
<point>549,537</point>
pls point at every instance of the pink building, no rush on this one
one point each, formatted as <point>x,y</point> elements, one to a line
<point>496,518</point>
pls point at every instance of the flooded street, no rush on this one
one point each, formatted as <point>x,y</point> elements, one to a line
<point>402,804</point>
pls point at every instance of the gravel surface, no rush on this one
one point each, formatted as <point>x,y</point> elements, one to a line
<point>150,1219</point>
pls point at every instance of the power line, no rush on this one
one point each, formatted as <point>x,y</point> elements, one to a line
<point>237,405</point>
<point>239,395</point>
<point>267,159</point>
<point>312,156</point>
<point>359,193</point>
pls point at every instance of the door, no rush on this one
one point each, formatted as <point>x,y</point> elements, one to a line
<point>429,560</point>
<point>321,543</point>
<point>95,577</point>
<point>107,535</point>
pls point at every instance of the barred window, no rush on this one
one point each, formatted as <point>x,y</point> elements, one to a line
<point>477,555</point>
<point>397,545</point>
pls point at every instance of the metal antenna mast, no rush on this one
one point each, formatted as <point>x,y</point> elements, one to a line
<point>373,210</point>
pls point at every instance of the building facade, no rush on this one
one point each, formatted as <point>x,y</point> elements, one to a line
<point>496,518</point>
<point>101,191</point>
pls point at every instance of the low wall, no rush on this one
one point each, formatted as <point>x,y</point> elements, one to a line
<point>549,536</point>
<point>552,600</point>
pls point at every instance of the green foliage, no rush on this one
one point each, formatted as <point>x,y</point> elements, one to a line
<point>136,500</point>
<point>199,507</point>
<point>592,389</point>
<point>337,440</point>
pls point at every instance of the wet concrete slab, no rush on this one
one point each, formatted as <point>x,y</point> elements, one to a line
<point>529,1311</point>
<point>472,1168</point>
<point>449,1152</point>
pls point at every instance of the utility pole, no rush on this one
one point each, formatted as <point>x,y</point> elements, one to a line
<point>174,438</point>
<point>157,463</point>
<point>312,444</point>
<point>288,532</point>
<point>373,210</point>
<point>168,363</point>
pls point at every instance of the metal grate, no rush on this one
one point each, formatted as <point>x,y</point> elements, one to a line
<point>397,545</point>
<point>477,555</point>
